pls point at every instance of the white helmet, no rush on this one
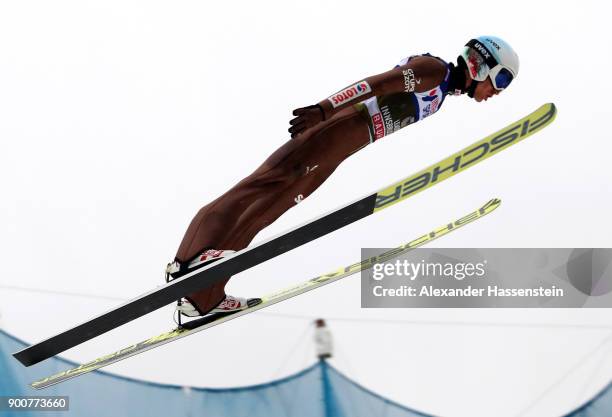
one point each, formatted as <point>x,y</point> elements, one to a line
<point>493,57</point>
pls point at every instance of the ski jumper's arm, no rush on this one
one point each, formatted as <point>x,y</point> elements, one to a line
<point>420,74</point>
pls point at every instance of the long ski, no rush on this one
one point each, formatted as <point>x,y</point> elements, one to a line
<point>270,248</point>
<point>206,322</point>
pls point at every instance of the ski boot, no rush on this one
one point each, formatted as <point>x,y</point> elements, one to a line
<point>184,307</point>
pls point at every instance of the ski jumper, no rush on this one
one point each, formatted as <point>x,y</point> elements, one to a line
<point>357,116</point>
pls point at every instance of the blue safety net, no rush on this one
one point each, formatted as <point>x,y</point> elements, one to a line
<point>319,390</point>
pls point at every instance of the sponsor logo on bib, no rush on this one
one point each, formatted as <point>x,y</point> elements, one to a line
<point>433,102</point>
<point>379,126</point>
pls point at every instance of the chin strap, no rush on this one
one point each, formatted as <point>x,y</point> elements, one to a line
<point>472,88</point>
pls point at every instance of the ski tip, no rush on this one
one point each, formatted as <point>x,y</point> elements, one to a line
<point>552,109</point>
<point>492,204</point>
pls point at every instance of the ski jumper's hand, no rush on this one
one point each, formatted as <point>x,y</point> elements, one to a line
<point>306,117</point>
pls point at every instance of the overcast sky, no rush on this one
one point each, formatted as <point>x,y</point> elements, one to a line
<point>120,119</point>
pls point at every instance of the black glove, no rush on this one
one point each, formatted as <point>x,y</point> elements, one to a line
<point>306,118</point>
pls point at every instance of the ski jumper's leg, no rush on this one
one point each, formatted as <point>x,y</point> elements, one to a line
<point>288,176</point>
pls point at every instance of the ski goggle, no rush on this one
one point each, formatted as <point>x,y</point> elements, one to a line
<point>501,76</point>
